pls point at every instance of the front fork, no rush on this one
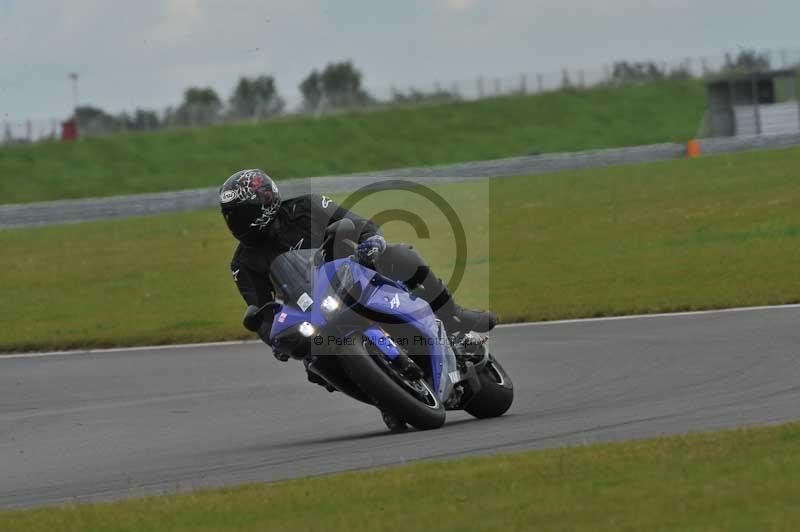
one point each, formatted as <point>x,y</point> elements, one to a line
<point>328,368</point>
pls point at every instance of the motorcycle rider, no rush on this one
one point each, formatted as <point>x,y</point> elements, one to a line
<point>267,226</point>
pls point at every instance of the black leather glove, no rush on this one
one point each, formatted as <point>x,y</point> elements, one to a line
<point>263,333</point>
<point>370,249</point>
<point>283,356</point>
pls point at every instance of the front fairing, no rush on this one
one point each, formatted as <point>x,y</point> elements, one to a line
<point>305,305</point>
<point>379,299</point>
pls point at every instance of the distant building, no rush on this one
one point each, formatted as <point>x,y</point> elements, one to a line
<point>760,103</point>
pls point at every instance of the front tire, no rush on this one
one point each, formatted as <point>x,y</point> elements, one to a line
<point>496,393</point>
<point>388,394</point>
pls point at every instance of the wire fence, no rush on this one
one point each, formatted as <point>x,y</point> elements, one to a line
<point>620,73</point>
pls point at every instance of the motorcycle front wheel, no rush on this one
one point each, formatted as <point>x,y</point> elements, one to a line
<point>415,402</point>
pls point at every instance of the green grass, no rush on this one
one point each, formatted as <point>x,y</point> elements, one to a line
<point>392,138</point>
<point>740,480</point>
<point>680,235</point>
<point>714,232</point>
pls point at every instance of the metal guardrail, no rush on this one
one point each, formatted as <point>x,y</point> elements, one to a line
<point>83,210</point>
<point>715,146</point>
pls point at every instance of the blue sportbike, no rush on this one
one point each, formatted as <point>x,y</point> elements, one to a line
<point>371,338</point>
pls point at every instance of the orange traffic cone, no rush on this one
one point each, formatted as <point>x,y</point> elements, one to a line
<point>693,148</point>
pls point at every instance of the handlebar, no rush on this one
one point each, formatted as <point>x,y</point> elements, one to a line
<point>254,316</point>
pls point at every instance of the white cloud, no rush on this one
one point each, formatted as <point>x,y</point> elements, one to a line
<point>459,5</point>
<point>180,19</point>
<point>145,53</point>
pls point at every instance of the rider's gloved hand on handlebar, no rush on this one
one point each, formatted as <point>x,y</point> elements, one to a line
<point>282,356</point>
<point>370,249</point>
<point>277,352</point>
<point>263,333</point>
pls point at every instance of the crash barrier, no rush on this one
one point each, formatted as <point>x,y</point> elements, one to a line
<point>81,210</point>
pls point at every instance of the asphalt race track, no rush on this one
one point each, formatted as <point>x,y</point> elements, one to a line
<point>106,425</point>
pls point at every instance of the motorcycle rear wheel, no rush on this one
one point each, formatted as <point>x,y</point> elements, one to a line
<point>496,393</point>
<point>390,392</point>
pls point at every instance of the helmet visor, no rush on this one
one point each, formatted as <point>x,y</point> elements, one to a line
<point>240,220</point>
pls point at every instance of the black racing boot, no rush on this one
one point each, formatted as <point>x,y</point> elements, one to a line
<point>454,317</point>
<point>467,319</point>
<point>393,423</point>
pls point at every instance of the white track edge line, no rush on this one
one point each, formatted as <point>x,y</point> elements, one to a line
<point>654,315</point>
<point>501,326</point>
<point>121,349</point>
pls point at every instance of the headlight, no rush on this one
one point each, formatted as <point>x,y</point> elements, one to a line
<point>306,329</point>
<point>330,304</point>
<point>342,290</point>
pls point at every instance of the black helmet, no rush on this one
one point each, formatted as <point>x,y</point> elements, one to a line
<point>249,201</point>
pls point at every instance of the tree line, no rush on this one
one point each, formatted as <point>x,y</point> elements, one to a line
<point>340,86</point>
<point>624,72</point>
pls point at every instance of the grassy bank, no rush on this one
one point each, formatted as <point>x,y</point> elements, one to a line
<point>732,480</point>
<point>691,234</point>
<point>392,138</point>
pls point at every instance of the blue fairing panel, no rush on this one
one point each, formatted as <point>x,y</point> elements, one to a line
<point>378,337</point>
<point>383,297</point>
<point>285,318</point>
<point>388,299</point>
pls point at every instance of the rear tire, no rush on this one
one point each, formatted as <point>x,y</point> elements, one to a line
<point>496,394</point>
<point>387,393</point>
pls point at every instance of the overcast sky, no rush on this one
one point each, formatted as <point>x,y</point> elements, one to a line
<point>143,53</point>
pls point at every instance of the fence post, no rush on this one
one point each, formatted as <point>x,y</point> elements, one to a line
<point>539,83</point>
<point>756,109</point>
<point>566,83</point>
<point>480,88</point>
<point>497,87</point>
<point>523,83</point>
<point>797,95</point>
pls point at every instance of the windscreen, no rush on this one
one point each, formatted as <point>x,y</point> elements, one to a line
<point>292,276</point>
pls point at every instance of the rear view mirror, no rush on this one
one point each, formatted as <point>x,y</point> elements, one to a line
<point>254,316</point>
